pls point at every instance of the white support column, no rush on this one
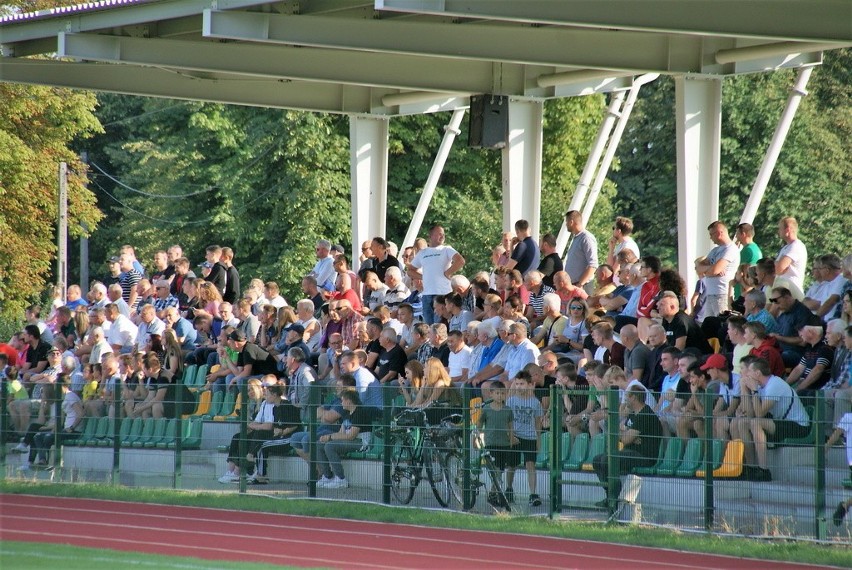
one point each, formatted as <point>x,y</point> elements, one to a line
<point>368,164</point>
<point>759,189</point>
<point>522,166</point>
<point>451,131</point>
<point>698,109</point>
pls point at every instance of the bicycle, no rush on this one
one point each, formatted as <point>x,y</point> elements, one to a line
<point>418,447</point>
<point>496,498</point>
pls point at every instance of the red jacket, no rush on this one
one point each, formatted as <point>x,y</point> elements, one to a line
<point>770,351</point>
<point>646,297</point>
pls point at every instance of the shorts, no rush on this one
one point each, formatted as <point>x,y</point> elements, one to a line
<point>504,456</point>
<point>526,449</point>
<point>787,429</point>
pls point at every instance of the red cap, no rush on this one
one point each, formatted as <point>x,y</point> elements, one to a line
<point>715,361</point>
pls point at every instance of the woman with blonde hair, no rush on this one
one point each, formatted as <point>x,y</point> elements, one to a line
<point>437,388</point>
<point>413,383</point>
<point>209,298</point>
<point>173,357</point>
<point>81,325</point>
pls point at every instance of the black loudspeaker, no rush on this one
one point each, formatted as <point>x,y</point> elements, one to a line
<point>489,121</point>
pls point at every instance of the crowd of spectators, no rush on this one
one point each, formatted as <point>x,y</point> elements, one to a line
<point>421,324</point>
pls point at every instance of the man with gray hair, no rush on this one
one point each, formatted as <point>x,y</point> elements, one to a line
<point>97,296</point>
<point>461,286</point>
<point>755,310</point>
<point>535,308</point>
<point>301,377</point>
<point>814,369</point>
<point>323,269</point>
<point>396,292</point>
<point>523,353</point>
<point>114,295</point>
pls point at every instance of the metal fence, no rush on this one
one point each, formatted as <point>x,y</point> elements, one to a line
<point>432,460</point>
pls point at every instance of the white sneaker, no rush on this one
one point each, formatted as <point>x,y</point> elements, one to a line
<point>323,481</point>
<point>22,447</point>
<point>251,478</point>
<point>337,483</point>
<point>229,477</point>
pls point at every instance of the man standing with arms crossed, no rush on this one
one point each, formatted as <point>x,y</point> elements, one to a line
<point>435,265</point>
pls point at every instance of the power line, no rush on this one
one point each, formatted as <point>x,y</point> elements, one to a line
<point>149,194</point>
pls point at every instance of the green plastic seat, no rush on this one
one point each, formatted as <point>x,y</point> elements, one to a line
<point>565,446</point>
<point>159,432</point>
<point>123,432</point>
<point>579,450</point>
<point>133,434</point>
<point>192,429</point>
<point>810,437</point>
<point>168,434</point>
<point>651,469</point>
<point>200,376</point>
<point>597,446</point>
<point>215,406</point>
<point>228,402</point>
<point>188,376</point>
<point>542,458</point>
<point>671,459</point>
<point>88,433</point>
<point>692,458</point>
<point>101,431</point>
<point>146,434</point>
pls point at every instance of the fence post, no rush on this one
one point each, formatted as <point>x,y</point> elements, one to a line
<point>612,460</point>
<point>243,386</point>
<point>4,421</point>
<point>556,407</point>
<point>313,403</point>
<point>58,423</point>
<point>178,481</point>
<point>820,530</point>
<point>466,443</point>
<point>116,431</point>
<point>387,404</point>
<point>709,497</point>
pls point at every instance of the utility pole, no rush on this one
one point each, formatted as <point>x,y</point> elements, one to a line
<point>62,232</point>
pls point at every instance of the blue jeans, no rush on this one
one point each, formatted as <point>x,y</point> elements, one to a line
<point>428,310</point>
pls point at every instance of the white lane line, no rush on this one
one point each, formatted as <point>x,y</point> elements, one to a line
<point>270,539</point>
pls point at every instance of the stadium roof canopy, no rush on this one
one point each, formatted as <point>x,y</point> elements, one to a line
<point>374,60</point>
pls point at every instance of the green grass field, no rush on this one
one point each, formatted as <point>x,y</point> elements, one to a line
<point>35,556</point>
<point>791,551</point>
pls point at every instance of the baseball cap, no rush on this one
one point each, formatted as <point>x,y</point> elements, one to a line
<point>715,361</point>
<point>205,265</point>
<point>113,259</point>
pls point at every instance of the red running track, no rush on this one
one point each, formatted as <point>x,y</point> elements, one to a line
<point>215,534</point>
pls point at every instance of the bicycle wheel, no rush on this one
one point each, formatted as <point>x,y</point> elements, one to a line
<point>475,483</point>
<point>497,483</point>
<point>454,474</point>
<point>405,472</point>
<point>441,486</point>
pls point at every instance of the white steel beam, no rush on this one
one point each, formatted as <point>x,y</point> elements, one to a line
<point>811,20</point>
<point>451,131</point>
<point>368,164</point>
<point>698,111</point>
<point>522,166</point>
<point>591,166</point>
<point>301,63</point>
<point>133,80</point>
<point>519,44</point>
<point>797,93</point>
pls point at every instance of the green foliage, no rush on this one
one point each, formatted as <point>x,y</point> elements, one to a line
<point>37,125</point>
<point>811,179</point>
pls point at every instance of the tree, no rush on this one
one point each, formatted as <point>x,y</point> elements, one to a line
<point>37,124</point>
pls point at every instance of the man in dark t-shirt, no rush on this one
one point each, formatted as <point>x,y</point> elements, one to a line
<point>525,253</point>
<point>391,362</point>
<point>252,361</point>
<point>681,330</point>
<point>550,260</point>
<point>641,436</point>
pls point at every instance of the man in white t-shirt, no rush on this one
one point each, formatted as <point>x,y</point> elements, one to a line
<point>723,259</point>
<point>824,295</point>
<point>771,412</point>
<point>621,240</point>
<point>792,260</point>
<point>458,364</point>
<point>435,265</point>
